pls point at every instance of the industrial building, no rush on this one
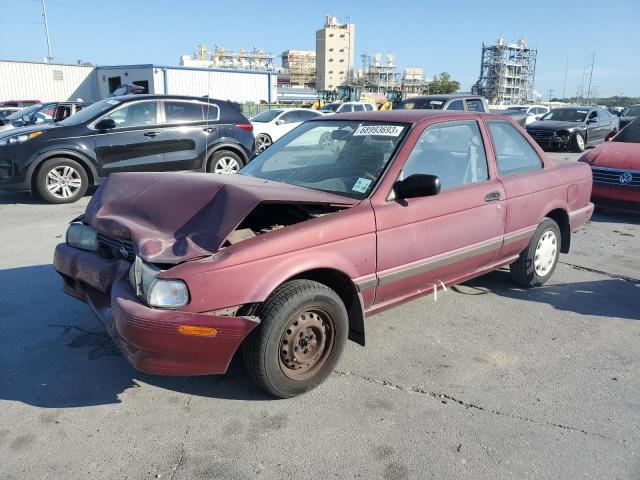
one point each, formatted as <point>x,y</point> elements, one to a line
<point>507,72</point>
<point>255,59</point>
<point>376,76</point>
<point>51,82</point>
<point>298,69</point>
<point>413,81</point>
<point>334,54</point>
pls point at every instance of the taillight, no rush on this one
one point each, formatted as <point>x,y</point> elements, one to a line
<point>245,126</point>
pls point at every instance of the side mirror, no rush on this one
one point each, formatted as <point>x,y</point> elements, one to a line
<point>592,120</point>
<point>279,122</point>
<point>106,124</point>
<point>417,185</point>
<point>530,114</point>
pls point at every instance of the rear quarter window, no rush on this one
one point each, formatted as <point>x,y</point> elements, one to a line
<point>514,154</point>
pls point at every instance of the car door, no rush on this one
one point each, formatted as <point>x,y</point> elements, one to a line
<point>188,128</point>
<point>134,144</point>
<point>455,105</point>
<point>287,122</point>
<point>428,240</point>
<point>605,124</point>
<point>521,172</point>
<point>474,105</point>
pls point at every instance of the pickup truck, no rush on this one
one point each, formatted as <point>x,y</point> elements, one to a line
<point>287,258</point>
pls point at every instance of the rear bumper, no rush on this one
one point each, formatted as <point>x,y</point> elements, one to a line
<point>580,216</point>
<point>148,337</point>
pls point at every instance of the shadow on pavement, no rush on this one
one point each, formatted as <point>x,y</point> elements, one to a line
<point>56,355</point>
<point>612,216</point>
<point>606,298</point>
<point>26,198</point>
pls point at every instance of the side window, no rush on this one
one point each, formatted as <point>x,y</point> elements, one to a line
<point>134,115</point>
<point>593,115</point>
<point>358,108</point>
<point>211,112</point>
<point>453,151</point>
<point>183,112</point>
<point>346,108</point>
<point>291,117</point>
<point>456,105</point>
<point>475,105</point>
<point>513,153</point>
<point>368,107</point>
<point>308,115</point>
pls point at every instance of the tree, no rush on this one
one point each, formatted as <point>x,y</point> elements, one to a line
<point>442,84</point>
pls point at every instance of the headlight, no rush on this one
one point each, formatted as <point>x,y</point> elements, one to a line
<point>82,236</point>
<point>15,139</point>
<point>157,292</point>
<point>168,294</point>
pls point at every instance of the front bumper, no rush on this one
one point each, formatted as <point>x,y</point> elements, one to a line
<point>554,142</point>
<point>148,337</point>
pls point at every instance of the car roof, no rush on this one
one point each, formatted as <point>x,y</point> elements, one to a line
<point>146,96</point>
<point>403,116</point>
<point>446,96</point>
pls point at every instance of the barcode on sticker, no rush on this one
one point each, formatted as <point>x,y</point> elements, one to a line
<point>386,130</point>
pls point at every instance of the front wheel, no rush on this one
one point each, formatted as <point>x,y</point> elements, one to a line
<point>263,141</point>
<point>61,180</point>
<point>224,161</point>
<point>578,143</point>
<point>538,261</point>
<point>302,333</point>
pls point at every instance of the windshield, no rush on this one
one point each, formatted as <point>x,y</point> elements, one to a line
<point>333,107</point>
<point>25,111</point>
<point>89,112</point>
<point>630,133</point>
<point>421,104</point>
<point>566,115</point>
<point>633,111</point>
<point>266,116</point>
<point>342,157</point>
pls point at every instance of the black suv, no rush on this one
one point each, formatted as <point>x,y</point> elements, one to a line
<point>124,134</point>
<point>453,101</point>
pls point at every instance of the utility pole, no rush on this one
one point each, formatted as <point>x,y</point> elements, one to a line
<point>564,86</point>
<point>550,93</point>
<point>595,94</point>
<point>593,60</point>
<point>46,30</point>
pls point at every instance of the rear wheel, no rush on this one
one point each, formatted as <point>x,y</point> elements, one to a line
<point>610,135</point>
<point>578,143</point>
<point>61,180</point>
<point>302,333</point>
<point>538,261</point>
<point>225,161</point>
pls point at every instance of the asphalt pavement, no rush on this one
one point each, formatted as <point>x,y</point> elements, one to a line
<point>490,382</point>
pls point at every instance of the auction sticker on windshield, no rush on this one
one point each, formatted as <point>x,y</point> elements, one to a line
<point>386,130</point>
<point>361,185</point>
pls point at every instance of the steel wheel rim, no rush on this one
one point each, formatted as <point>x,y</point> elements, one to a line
<point>306,344</point>
<point>63,182</point>
<point>580,141</point>
<point>263,142</point>
<point>227,165</point>
<point>546,252</point>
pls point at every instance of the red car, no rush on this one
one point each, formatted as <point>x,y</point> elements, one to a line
<point>343,217</point>
<point>616,170</point>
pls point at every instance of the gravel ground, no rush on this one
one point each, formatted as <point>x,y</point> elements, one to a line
<point>491,381</point>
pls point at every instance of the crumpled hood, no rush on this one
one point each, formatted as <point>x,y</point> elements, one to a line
<point>621,155</point>
<point>172,217</point>
<point>554,125</point>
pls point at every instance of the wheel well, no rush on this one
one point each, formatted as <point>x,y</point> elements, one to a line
<point>68,156</point>
<point>344,287</point>
<point>561,217</point>
<point>230,148</point>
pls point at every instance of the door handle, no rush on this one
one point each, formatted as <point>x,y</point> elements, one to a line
<point>210,129</point>
<point>151,134</point>
<point>492,197</point>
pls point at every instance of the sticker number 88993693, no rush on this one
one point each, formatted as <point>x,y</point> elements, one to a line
<point>386,130</point>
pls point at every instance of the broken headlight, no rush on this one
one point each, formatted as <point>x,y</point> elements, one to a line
<point>82,236</point>
<point>156,291</point>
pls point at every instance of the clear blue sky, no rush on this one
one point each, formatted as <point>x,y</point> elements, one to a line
<point>437,36</point>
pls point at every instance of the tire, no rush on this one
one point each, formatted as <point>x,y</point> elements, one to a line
<point>61,180</point>
<point>578,143</point>
<point>538,261</point>
<point>263,141</point>
<point>610,135</point>
<point>224,161</point>
<point>303,330</point>
<point>325,141</point>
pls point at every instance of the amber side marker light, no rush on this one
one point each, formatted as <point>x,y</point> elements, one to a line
<point>194,330</point>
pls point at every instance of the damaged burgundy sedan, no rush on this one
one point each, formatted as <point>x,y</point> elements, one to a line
<point>341,218</point>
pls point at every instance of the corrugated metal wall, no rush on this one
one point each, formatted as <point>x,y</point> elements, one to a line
<point>237,86</point>
<point>46,82</point>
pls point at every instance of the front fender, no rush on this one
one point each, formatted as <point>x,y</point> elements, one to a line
<point>61,151</point>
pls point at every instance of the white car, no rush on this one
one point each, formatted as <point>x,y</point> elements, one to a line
<point>342,107</point>
<point>533,112</point>
<point>270,125</point>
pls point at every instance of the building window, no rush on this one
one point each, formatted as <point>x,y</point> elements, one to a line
<point>331,59</point>
<point>342,49</point>
<point>330,71</point>
<point>342,36</point>
<point>342,59</point>
<point>331,34</point>
<point>331,49</point>
<point>341,72</point>
<point>58,75</point>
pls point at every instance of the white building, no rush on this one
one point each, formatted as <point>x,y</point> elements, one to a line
<point>334,54</point>
<point>50,82</point>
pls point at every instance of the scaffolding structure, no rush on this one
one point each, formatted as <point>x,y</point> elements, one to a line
<point>413,81</point>
<point>507,72</point>
<point>255,59</point>
<point>376,77</point>
<point>299,67</point>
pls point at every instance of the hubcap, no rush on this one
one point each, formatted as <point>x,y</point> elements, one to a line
<point>580,141</point>
<point>546,251</point>
<point>262,143</point>
<point>227,165</point>
<point>63,182</point>
<point>306,344</point>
